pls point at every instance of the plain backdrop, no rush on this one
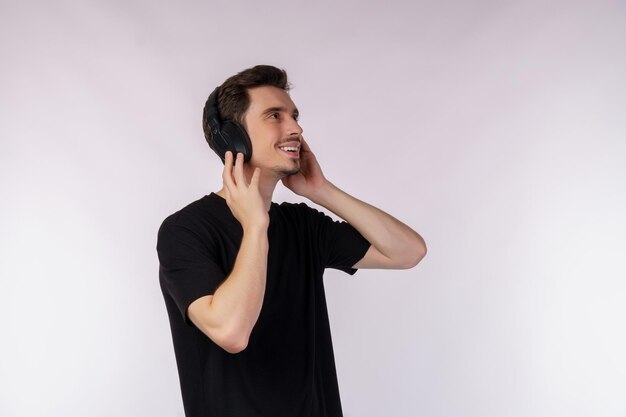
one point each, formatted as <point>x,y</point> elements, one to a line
<point>496,129</point>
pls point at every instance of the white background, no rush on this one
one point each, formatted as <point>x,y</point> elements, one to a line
<point>496,129</point>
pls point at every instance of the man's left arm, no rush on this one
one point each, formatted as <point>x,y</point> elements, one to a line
<point>394,245</point>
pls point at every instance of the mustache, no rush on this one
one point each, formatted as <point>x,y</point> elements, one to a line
<point>291,139</point>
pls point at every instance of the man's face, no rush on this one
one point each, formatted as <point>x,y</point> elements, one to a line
<point>272,124</point>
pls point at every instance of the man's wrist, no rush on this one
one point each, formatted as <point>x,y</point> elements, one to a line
<point>255,229</point>
<point>324,194</point>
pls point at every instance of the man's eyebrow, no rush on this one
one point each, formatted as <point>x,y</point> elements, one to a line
<point>280,109</point>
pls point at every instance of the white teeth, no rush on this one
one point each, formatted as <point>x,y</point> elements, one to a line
<point>289,148</point>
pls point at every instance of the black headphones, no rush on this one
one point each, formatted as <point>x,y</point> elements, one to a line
<point>225,136</point>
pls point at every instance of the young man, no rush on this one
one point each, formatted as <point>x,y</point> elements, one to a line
<point>242,275</point>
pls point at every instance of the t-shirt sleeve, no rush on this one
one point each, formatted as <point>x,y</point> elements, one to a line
<point>188,269</point>
<point>341,244</point>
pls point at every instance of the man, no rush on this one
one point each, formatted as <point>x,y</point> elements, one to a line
<point>242,275</point>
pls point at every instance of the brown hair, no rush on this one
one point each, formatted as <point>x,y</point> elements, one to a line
<point>233,99</point>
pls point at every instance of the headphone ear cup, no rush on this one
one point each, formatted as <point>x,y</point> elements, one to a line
<point>237,139</point>
<point>219,144</point>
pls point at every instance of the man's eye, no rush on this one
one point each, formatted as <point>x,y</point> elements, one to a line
<point>274,116</point>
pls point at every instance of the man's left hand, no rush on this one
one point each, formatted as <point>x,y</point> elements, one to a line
<point>310,180</point>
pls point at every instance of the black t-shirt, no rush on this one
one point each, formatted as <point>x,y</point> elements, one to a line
<point>288,367</point>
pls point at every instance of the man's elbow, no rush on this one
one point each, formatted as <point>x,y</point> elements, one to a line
<point>417,255</point>
<point>231,341</point>
<point>235,346</point>
<point>229,335</point>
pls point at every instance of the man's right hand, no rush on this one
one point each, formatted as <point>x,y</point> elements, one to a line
<point>244,199</point>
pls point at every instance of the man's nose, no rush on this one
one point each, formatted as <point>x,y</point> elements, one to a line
<point>294,128</point>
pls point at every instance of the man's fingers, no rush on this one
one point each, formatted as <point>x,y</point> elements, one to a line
<point>227,175</point>
<point>305,146</point>
<point>228,159</point>
<point>239,176</point>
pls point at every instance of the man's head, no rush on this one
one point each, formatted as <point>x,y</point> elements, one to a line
<point>258,99</point>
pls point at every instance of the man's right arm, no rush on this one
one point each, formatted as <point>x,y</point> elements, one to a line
<point>228,316</point>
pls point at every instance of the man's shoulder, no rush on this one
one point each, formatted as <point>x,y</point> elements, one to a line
<point>295,206</point>
<point>294,209</point>
<point>299,213</point>
<point>205,209</point>
<point>201,221</point>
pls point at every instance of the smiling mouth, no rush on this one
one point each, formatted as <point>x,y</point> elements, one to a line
<point>292,151</point>
<point>295,149</point>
